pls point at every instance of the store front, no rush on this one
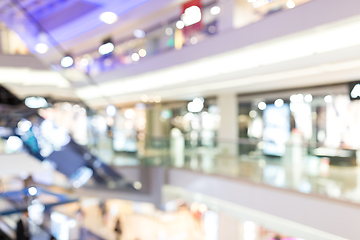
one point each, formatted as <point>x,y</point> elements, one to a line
<point>250,11</point>
<point>323,121</point>
<point>196,121</point>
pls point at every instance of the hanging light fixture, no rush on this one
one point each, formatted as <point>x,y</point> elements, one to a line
<point>290,4</point>
<point>67,61</point>
<point>107,47</point>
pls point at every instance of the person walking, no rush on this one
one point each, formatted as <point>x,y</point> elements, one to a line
<point>117,229</point>
<point>22,228</point>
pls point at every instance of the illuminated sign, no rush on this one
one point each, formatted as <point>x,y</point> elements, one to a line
<point>191,16</point>
<point>277,129</point>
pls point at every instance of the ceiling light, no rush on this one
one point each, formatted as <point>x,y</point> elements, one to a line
<point>215,10</point>
<point>290,4</point>
<point>108,17</point>
<point>41,48</point>
<point>67,61</point>
<point>196,105</point>
<point>180,24</point>
<point>279,103</point>
<point>129,113</point>
<point>308,98</point>
<point>328,99</point>
<point>193,40</point>
<point>191,15</point>
<point>262,105</point>
<point>106,48</point>
<point>111,110</point>
<point>36,102</point>
<point>297,98</point>
<point>253,114</point>
<point>24,125</point>
<point>169,31</point>
<point>144,98</point>
<point>212,29</point>
<point>32,191</point>
<point>138,33</point>
<point>142,52</point>
<point>137,185</point>
<point>84,62</point>
<point>135,57</point>
<point>14,143</point>
<point>157,99</point>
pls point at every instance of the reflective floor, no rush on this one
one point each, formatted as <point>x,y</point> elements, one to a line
<point>137,221</point>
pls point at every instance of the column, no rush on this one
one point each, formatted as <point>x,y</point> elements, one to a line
<point>228,228</point>
<point>229,129</point>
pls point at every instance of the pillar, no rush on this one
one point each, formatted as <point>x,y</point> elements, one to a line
<point>229,130</point>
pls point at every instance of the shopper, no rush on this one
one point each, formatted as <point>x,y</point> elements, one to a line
<point>117,229</point>
<point>22,229</point>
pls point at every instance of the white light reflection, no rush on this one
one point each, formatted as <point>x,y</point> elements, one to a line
<point>308,98</point>
<point>169,31</point>
<point>13,144</point>
<point>41,48</point>
<point>180,24</point>
<point>111,110</point>
<point>137,185</point>
<point>108,17</point>
<point>253,114</point>
<point>24,125</point>
<point>290,4</point>
<point>215,10</point>
<point>328,99</point>
<point>138,33</point>
<point>262,105</point>
<point>279,103</point>
<point>36,102</point>
<point>32,191</point>
<point>135,57</point>
<point>129,113</point>
<point>196,105</point>
<point>67,61</point>
<point>106,48</point>
<point>191,15</point>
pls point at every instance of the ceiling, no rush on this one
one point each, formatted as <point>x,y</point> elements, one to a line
<point>74,25</point>
<point>62,19</point>
<point>304,58</point>
<point>298,60</point>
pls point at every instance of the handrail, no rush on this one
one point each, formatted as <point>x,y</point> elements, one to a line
<point>21,209</point>
<point>7,230</point>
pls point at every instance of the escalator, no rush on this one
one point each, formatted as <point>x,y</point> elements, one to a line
<point>6,232</point>
<point>45,141</point>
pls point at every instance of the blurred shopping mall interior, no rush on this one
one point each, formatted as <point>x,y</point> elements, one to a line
<point>179,119</point>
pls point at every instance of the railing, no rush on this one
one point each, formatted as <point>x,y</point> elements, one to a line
<point>311,170</point>
<point>322,171</point>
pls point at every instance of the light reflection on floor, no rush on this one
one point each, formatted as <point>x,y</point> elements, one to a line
<point>138,221</point>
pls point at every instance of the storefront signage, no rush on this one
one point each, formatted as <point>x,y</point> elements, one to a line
<point>277,129</point>
<point>354,90</point>
<point>191,16</point>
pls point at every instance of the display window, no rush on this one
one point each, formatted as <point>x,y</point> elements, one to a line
<point>250,11</point>
<point>327,123</point>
